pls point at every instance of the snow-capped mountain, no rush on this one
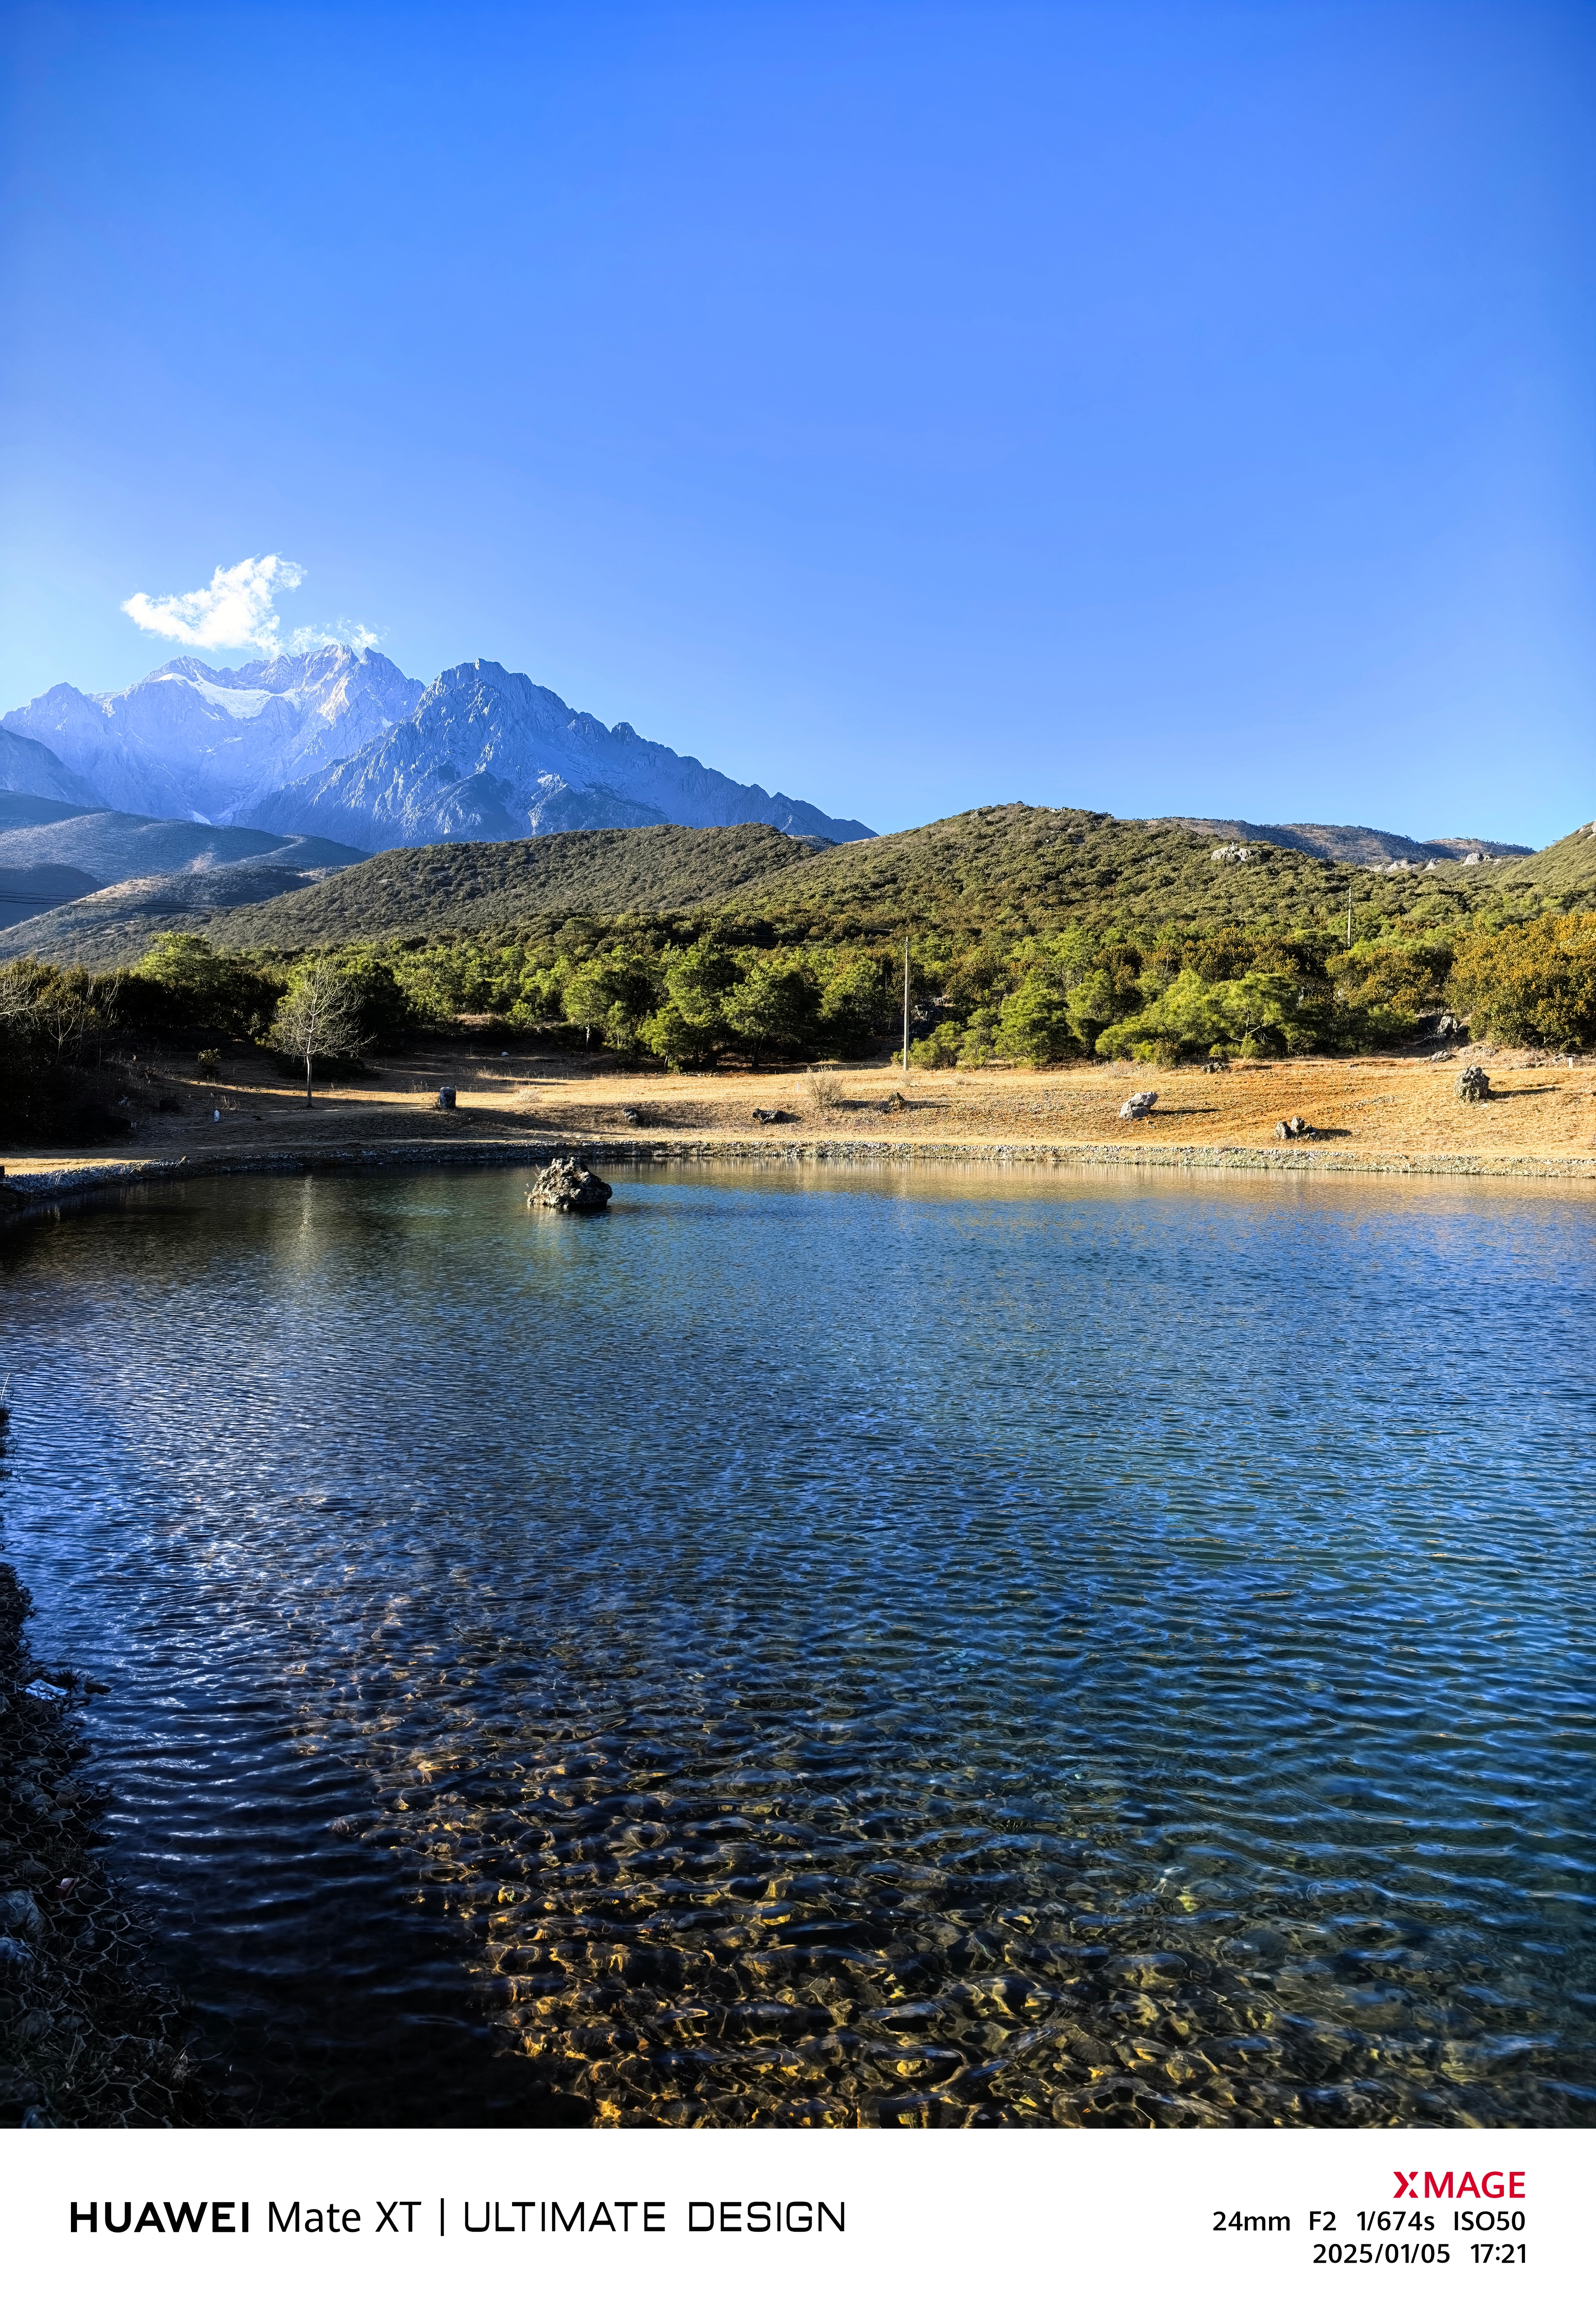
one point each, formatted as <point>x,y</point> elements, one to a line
<point>488,756</point>
<point>190,741</point>
<point>340,744</point>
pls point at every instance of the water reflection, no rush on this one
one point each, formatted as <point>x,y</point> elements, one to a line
<point>987,1651</point>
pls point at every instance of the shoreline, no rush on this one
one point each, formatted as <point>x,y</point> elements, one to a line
<point>94,2035</point>
<point>34,1192</point>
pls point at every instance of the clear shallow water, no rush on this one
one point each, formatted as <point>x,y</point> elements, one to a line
<point>942,1650</point>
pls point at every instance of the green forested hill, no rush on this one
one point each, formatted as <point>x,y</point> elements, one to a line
<point>999,874</point>
<point>1013,870</point>
<point>1563,875</point>
<point>482,885</point>
<point>1016,870</point>
<point>1007,871</point>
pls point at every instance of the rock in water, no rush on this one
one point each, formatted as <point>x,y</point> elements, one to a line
<point>1136,1108</point>
<point>1473,1084</point>
<point>570,1185</point>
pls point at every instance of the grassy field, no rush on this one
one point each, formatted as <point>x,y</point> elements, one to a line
<point>1368,1110</point>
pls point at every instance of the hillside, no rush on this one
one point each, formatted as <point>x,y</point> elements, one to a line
<point>112,927</point>
<point>28,890</point>
<point>489,885</point>
<point>1009,870</point>
<point>30,768</point>
<point>109,846</point>
<point>1349,844</point>
<point>1004,872</point>
<point>1563,875</point>
<point>22,808</point>
<point>1014,870</point>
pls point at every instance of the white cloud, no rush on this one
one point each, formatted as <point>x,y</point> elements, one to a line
<point>356,635</point>
<point>233,611</point>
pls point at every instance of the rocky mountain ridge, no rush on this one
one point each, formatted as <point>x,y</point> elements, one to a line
<point>190,740</point>
<point>339,744</point>
<point>1348,844</point>
<point>489,755</point>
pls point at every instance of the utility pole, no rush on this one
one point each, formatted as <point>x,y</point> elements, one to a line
<point>906,1009</point>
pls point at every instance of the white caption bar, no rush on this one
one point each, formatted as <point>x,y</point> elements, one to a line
<point>1231,2216</point>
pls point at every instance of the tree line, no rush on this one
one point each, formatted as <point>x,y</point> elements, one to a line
<point>685,993</point>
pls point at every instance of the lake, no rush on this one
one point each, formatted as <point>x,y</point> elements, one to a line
<point>920,1647</point>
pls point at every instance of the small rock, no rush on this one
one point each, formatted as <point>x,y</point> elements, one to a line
<point>446,1100</point>
<point>570,1186</point>
<point>1473,1084</point>
<point>764,1114</point>
<point>14,1956</point>
<point>20,1916</point>
<point>1295,1127</point>
<point>629,1113</point>
<point>1138,1107</point>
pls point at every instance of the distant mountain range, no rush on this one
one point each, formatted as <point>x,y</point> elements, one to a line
<point>1349,845</point>
<point>138,868</point>
<point>190,741</point>
<point>340,744</point>
<point>197,791</point>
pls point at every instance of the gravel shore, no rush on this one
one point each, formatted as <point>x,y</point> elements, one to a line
<point>88,2034</point>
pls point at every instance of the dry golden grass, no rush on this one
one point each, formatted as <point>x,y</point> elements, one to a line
<point>1368,1108</point>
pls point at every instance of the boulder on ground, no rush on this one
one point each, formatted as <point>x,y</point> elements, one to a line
<point>1473,1084</point>
<point>1138,1107</point>
<point>1295,1127</point>
<point>570,1185</point>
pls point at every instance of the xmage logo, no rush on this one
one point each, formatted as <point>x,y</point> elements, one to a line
<point>1454,2186</point>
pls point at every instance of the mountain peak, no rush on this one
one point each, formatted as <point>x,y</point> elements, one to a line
<point>337,741</point>
<point>192,739</point>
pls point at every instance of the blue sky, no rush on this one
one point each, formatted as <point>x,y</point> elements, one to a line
<point>1153,408</point>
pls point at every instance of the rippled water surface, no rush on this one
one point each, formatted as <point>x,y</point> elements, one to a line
<point>935,1650</point>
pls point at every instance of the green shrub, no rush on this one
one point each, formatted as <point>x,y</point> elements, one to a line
<point>51,1020</point>
<point>857,1005</point>
<point>1257,1014</point>
<point>1535,983</point>
<point>774,1008</point>
<point>183,985</point>
<point>939,1047</point>
<point>610,995</point>
<point>1034,1026</point>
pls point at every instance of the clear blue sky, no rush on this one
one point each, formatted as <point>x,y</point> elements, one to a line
<point>1155,408</point>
